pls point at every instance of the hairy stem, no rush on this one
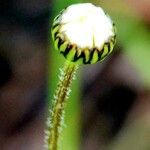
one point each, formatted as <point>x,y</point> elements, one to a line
<point>55,120</point>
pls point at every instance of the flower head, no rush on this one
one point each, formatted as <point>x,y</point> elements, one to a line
<point>84,33</point>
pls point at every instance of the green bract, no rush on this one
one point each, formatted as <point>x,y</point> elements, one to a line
<point>83,33</point>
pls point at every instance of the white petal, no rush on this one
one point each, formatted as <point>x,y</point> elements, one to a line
<point>86,25</point>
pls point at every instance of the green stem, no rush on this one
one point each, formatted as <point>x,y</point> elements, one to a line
<point>55,120</point>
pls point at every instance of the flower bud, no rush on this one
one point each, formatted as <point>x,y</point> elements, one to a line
<point>84,33</point>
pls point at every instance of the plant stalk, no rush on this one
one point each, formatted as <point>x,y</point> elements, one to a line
<point>56,117</point>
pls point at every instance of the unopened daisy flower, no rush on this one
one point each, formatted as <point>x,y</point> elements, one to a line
<point>83,34</point>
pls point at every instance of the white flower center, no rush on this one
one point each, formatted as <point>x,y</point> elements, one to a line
<point>86,25</point>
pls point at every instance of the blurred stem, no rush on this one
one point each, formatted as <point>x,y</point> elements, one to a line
<point>55,120</point>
